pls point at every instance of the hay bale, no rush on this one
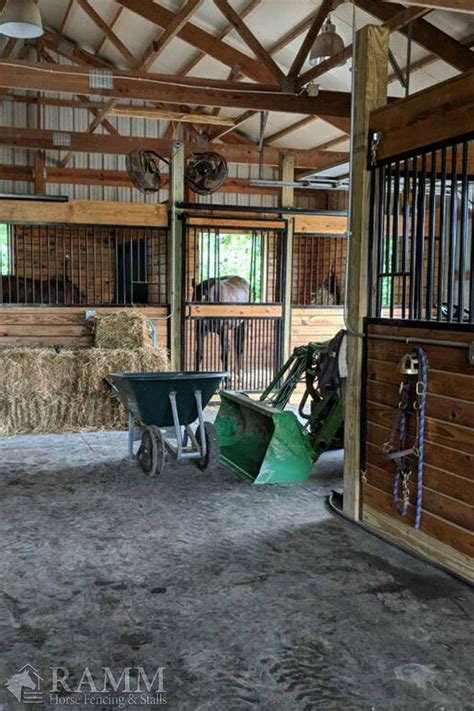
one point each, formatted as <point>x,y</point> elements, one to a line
<point>122,330</point>
<point>94,364</point>
<point>42,391</point>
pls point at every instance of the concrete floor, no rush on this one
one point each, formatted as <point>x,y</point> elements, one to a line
<point>252,598</point>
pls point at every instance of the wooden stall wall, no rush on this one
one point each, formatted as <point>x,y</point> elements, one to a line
<point>50,326</point>
<point>447,529</point>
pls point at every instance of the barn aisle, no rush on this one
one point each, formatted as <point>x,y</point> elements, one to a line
<point>253,598</point>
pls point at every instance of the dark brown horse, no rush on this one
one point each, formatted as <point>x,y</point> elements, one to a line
<point>226,289</point>
<point>21,290</point>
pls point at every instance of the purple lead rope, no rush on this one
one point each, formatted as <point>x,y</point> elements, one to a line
<point>423,380</point>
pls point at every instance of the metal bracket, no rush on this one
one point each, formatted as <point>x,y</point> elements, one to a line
<point>374,144</point>
<point>471,353</point>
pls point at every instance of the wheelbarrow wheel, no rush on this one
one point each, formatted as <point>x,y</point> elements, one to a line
<point>211,461</point>
<point>152,453</point>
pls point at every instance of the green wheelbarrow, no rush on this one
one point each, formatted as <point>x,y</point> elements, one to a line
<point>165,405</point>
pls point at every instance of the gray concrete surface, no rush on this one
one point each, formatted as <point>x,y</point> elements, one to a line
<point>251,598</point>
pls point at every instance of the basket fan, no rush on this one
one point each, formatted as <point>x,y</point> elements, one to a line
<point>205,172</point>
<point>143,168</point>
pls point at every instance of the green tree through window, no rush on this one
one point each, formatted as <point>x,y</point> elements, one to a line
<point>239,254</point>
<point>4,250</point>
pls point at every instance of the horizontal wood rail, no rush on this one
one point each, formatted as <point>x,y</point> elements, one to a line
<point>322,224</point>
<point>234,310</point>
<point>92,212</point>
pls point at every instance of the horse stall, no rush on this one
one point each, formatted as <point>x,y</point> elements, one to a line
<point>61,260</point>
<point>415,484</point>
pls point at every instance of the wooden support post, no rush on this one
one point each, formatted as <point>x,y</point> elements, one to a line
<point>176,253</point>
<point>40,173</point>
<point>287,173</point>
<point>371,77</point>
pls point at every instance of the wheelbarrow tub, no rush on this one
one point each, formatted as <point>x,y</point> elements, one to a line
<point>261,444</point>
<point>146,395</point>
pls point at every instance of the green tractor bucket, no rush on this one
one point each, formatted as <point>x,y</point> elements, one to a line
<point>261,444</point>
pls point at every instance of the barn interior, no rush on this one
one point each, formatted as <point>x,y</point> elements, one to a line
<point>204,503</point>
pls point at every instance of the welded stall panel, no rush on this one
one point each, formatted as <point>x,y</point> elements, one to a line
<point>233,315</point>
<point>447,521</point>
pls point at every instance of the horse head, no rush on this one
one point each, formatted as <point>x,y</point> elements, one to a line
<point>17,682</point>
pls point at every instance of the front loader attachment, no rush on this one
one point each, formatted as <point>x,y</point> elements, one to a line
<point>260,443</point>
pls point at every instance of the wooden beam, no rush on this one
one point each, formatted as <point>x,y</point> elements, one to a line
<point>66,16</point>
<point>249,38</point>
<point>169,89</point>
<point>67,48</point>
<point>305,49</point>
<point>200,55</point>
<point>120,179</point>
<point>83,99</point>
<point>290,129</point>
<point>371,70</point>
<point>439,113</point>
<point>110,34</point>
<point>425,34</point>
<point>89,212</point>
<point>451,5</point>
<point>396,23</point>
<point>132,111</point>
<point>169,33</point>
<point>39,173</point>
<point>199,38</point>
<point>121,145</point>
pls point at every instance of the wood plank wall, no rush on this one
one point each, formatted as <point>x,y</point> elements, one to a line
<point>51,326</point>
<point>447,529</point>
<point>315,324</point>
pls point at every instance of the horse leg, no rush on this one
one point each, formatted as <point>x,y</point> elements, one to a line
<point>199,345</point>
<point>239,348</point>
<point>224,338</point>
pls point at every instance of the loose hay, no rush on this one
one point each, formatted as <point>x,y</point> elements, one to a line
<point>122,330</point>
<point>42,391</point>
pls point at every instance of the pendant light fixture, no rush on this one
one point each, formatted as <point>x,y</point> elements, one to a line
<point>326,45</point>
<point>21,19</point>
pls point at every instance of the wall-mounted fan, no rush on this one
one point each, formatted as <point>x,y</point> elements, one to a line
<point>205,172</point>
<point>143,168</point>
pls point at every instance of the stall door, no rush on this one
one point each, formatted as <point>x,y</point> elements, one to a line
<point>233,312</point>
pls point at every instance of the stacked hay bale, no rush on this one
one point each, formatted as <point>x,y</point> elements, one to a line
<point>44,391</point>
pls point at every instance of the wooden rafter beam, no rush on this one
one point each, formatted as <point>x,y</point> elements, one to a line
<point>249,38</point>
<point>290,129</point>
<point>41,139</point>
<point>200,55</point>
<point>114,21</point>
<point>108,32</point>
<point>424,34</point>
<point>451,5</point>
<point>305,49</point>
<point>66,16</point>
<point>199,38</point>
<point>168,89</point>
<point>65,47</point>
<point>397,22</point>
<point>169,33</point>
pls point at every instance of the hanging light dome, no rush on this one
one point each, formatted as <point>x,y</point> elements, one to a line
<point>326,45</point>
<point>21,19</point>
